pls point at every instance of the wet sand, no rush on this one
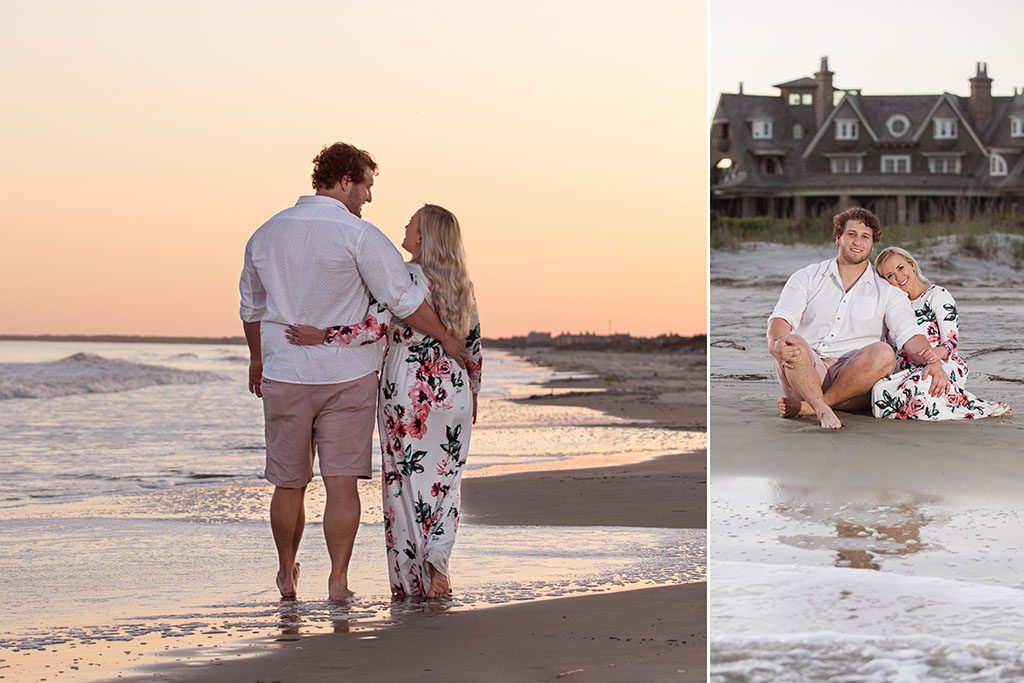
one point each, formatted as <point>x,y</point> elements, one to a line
<point>656,634</point>
<point>668,492</point>
<point>915,503</point>
<point>659,389</point>
<point>651,634</point>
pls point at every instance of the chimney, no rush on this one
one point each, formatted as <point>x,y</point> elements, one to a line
<point>741,87</point>
<point>822,94</point>
<point>980,103</point>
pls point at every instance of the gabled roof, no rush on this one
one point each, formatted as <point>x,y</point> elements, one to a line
<point>827,123</point>
<point>966,124</point>
<point>878,109</point>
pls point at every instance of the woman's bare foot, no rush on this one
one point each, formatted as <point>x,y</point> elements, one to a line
<point>828,419</point>
<point>440,585</point>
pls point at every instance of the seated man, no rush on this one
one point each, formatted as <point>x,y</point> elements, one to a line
<point>828,330</point>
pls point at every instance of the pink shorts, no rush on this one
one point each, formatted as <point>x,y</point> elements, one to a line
<point>335,420</point>
<point>828,368</point>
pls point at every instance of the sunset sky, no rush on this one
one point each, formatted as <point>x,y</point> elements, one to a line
<point>143,143</point>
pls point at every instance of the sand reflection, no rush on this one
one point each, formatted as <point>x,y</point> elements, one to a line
<point>865,525</point>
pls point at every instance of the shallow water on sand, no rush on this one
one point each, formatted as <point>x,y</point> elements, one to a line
<point>133,515</point>
<point>890,551</point>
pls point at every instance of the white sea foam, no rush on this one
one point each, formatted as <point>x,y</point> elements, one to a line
<point>753,600</point>
<point>843,658</point>
<point>85,373</point>
<point>797,623</point>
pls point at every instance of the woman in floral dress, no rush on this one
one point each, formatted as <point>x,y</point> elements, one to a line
<point>426,407</point>
<point>902,395</point>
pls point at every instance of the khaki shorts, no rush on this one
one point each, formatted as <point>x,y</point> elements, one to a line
<point>828,368</point>
<point>336,419</point>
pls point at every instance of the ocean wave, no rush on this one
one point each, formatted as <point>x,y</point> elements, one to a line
<point>827,656</point>
<point>86,373</point>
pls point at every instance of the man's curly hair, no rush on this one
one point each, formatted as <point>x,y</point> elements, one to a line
<point>860,214</point>
<point>338,161</point>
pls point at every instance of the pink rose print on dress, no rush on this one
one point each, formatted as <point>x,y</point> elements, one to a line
<point>393,421</point>
<point>422,394</point>
<point>417,426</point>
<point>911,408</point>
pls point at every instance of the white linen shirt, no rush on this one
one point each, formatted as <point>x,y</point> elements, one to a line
<point>834,321</point>
<point>318,264</point>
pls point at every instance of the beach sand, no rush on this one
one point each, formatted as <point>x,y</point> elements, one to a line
<point>660,389</point>
<point>667,492</point>
<point>656,634</point>
<point>917,503</point>
<point>650,634</point>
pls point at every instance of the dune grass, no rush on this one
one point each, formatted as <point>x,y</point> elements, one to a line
<point>977,238</point>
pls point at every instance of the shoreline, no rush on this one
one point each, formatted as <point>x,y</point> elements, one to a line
<point>666,390</point>
<point>646,634</point>
<point>651,634</point>
<point>668,491</point>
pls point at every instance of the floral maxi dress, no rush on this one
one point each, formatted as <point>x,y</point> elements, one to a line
<point>424,416</point>
<point>903,395</point>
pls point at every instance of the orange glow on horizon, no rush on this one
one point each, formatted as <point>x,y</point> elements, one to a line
<point>144,143</point>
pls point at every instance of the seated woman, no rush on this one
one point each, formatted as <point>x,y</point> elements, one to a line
<point>903,395</point>
<point>426,406</point>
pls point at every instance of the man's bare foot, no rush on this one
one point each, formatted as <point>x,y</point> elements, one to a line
<point>337,590</point>
<point>288,584</point>
<point>828,419</point>
<point>440,585</point>
<point>789,406</point>
<point>794,407</point>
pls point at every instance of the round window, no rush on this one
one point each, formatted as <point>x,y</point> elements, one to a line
<point>898,125</point>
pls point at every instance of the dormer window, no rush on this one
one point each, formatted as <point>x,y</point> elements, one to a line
<point>945,129</point>
<point>800,99</point>
<point>847,129</point>
<point>997,165</point>
<point>897,125</point>
<point>1017,126</point>
<point>761,129</point>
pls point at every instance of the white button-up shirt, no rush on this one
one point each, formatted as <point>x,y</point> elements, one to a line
<point>318,264</point>
<point>835,321</point>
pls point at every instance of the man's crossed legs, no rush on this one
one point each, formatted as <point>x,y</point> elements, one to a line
<point>814,385</point>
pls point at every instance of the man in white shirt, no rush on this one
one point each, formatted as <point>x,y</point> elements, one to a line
<point>828,331</point>
<point>319,263</point>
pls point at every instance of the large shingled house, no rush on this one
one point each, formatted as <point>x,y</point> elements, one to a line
<point>909,158</point>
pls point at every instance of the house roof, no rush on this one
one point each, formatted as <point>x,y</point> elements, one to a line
<point>878,109</point>
<point>805,82</point>
<point>742,108</point>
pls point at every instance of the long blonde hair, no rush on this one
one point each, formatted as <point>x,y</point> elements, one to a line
<point>443,260</point>
<point>889,251</point>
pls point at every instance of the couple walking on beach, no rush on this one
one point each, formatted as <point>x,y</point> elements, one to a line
<point>837,326</point>
<point>320,289</point>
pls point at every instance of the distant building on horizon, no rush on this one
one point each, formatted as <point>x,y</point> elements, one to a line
<point>909,158</point>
